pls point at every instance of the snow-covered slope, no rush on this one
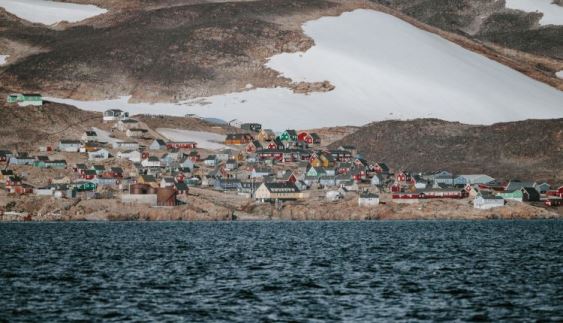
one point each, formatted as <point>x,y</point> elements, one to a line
<point>552,13</point>
<point>50,12</point>
<point>206,140</point>
<point>383,68</point>
<point>3,59</point>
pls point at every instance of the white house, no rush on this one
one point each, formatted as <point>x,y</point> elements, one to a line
<point>485,201</point>
<point>129,145</point>
<point>211,160</point>
<point>377,180</point>
<point>158,144</point>
<point>368,199</point>
<point>98,154</point>
<point>167,182</point>
<point>473,179</point>
<point>69,146</point>
<point>25,99</point>
<point>114,115</point>
<point>152,161</point>
<point>132,155</point>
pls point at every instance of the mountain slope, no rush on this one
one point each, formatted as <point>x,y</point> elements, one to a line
<point>382,68</point>
<point>530,149</point>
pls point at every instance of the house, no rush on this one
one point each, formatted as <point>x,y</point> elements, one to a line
<point>485,201</point>
<point>88,174</point>
<point>278,191</point>
<point>69,146</point>
<point>530,194</point>
<point>367,199</point>
<point>5,174</point>
<point>147,180</point>
<point>5,155</point>
<point>125,124</point>
<point>542,188</point>
<point>472,179</point>
<point>266,135</point>
<point>152,161</point>
<point>315,172</point>
<point>99,154</point>
<point>114,115</point>
<point>50,164</point>
<point>238,139</point>
<point>193,156</point>
<point>381,168</point>
<point>231,164</point>
<point>116,172</point>
<point>227,184</point>
<point>84,186</point>
<point>558,193</point>
<point>254,146</point>
<point>21,159</point>
<point>327,180</point>
<point>181,145</point>
<point>350,148</point>
<point>377,180</point>
<point>515,185</point>
<point>157,144</point>
<point>334,196</point>
<point>261,172</point>
<point>515,195</point>
<point>131,155</point>
<point>187,165</point>
<point>167,182</point>
<point>443,177</point>
<point>136,133</point>
<point>254,127</point>
<point>99,169</point>
<point>24,100</point>
<point>210,160</point>
<point>288,176</point>
<point>430,194</point>
<point>89,135</point>
<point>225,154</point>
<point>90,146</point>
<point>102,181</point>
<point>304,136</point>
<point>288,136</point>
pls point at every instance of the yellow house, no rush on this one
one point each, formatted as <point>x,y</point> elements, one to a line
<point>278,191</point>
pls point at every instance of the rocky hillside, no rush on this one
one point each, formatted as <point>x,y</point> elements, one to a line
<point>178,49</point>
<point>531,149</point>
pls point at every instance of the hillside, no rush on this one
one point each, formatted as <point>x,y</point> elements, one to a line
<point>530,149</point>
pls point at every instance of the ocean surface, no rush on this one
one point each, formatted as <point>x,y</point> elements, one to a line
<point>282,271</point>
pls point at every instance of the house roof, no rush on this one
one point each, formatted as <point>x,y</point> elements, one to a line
<point>148,178</point>
<point>90,133</point>
<point>368,195</point>
<point>283,187</point>
<point>70,142</point>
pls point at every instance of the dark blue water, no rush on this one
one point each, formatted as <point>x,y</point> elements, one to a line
<point>247,272</point>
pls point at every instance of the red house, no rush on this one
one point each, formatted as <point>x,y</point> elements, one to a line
<point>181,145</point>
<point>556,193</point>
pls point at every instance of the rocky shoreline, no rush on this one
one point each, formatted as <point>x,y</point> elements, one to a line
<point>217,206</point>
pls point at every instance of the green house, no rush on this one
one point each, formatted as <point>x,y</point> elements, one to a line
<point>85,186</point>
<point>53,164</point>
<point>25,99</point>
<point>288,135</point>
<point>516,195</point>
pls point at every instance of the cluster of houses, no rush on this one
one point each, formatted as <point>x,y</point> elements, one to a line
<point>259,165</point>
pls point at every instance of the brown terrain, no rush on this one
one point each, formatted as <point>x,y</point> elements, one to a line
<point>182,49</point>
<point>530,149</point>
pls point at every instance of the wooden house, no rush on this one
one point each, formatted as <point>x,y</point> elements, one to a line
<point>273,191</point>
<point>69,145</point>
<point>485,201</point>
<point>367,199</point>
<point>181,145</point>
<point>238,139</point>
<point>266,135</point>
<point>89,135</point>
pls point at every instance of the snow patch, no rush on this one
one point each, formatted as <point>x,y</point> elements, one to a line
<point>552,13</point>
<point>206,140</point>
<point>383,68</point>
<point>559,74</point>
<point>50,12</point>
<point>4,59</point>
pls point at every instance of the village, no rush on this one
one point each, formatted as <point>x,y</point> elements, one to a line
<point>132,165</point>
